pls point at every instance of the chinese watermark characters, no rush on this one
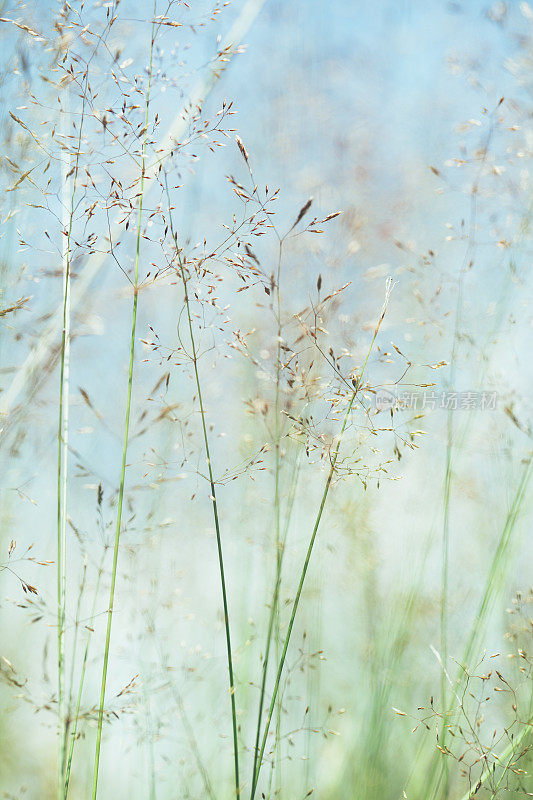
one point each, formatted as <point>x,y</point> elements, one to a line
<point>433,400</point>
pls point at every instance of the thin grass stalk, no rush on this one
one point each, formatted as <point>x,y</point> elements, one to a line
<point>277,504</point>
<point>63,433</point>
<point>126,436</point>
<point>189,730</point>
<point>436,772</point>
<point>150,737</point>
<point>276,764</point>
<point>74,733</point>
<point>498,561</point>
<point>274,603</point>
<point>448,473</point>
<point>305,566</point>
<point>68,718</point>
<point>214,506</point>
<point>75,642</point>
<point>82,681</point>
<point>270,628</point>
<point>62,464</point>
<point>298,595</point>
<point>313,677</point>
<point>219,540</point>
<point>274,608</point>
<point>446,554</point>
<point>117,530</point>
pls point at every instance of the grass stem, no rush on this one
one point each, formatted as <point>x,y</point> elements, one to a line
<point>305,567</point>
<point>125,441</point>
<point>214,505</point>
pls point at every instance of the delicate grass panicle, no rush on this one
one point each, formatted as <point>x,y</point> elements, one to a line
<point>213,397</point>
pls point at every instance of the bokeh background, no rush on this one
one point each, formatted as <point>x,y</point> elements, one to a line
<point>413,119</point>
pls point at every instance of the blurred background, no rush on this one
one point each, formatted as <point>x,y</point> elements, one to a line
<point>414,121</point>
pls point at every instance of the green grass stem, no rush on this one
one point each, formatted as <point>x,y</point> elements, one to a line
<point>214,505</point>
<point>125,443</point>
<point>305,567</point>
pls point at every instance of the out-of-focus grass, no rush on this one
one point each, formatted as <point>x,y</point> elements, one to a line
<point>253,425</point>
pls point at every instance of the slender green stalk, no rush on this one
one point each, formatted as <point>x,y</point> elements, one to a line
<point>448,472</point>
<point>75,642</point>
<point>498,562</point>
<point>117,534</point>
<point>313,676</point>
<point>125,443</point>
<point>305,567</point>
<point>189,730</point>
<point>150,737</point>
<point>76,719</point>
<point>446,556</point>
<point>445,574</point>
<point>214,505</point>
<point>68,717</point>
<point>74,733</point>
<point>63,434</point>
<point>274,609</point>
<point>497,569</point>
<point>62,470</point>
<point>298,595</point>
<point>280,546</point>
<point>466,264</point>
<point>219,541</point>
<point>274,605</point>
